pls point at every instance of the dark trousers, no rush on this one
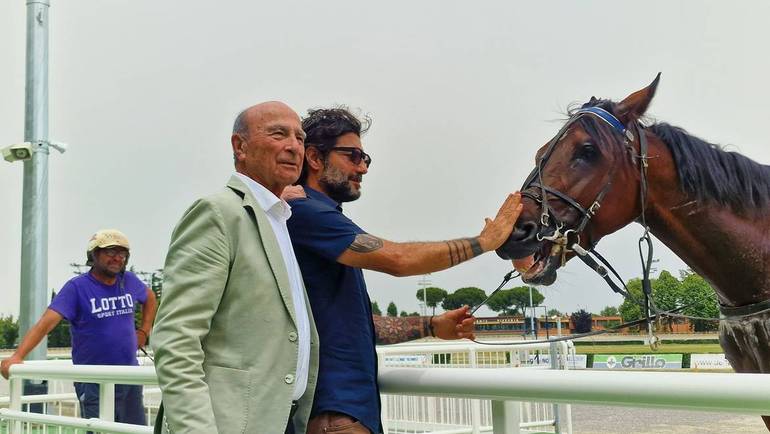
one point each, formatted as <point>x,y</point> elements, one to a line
<point>128,402</point>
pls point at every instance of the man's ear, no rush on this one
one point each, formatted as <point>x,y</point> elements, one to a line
<point>314,158</point>
<point>239,146</point>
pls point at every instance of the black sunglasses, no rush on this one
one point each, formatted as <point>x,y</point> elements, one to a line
<point>355,154</point>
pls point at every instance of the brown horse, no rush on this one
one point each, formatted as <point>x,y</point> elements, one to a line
<point>605,170</point>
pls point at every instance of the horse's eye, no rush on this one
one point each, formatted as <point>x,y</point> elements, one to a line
<point>587,151</point>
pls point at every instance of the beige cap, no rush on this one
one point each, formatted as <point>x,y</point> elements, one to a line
<point>106,238</point>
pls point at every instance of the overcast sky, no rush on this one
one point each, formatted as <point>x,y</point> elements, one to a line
<point>462,95</point>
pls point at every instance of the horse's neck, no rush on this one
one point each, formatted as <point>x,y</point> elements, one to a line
<point>729,250</point>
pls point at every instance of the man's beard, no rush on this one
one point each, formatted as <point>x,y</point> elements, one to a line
<point>337,185</point>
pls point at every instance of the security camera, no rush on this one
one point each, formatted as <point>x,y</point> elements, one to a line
<point>21,151</point>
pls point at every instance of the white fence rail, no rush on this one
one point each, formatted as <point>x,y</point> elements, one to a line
<point>418,414</point>
<point>714,392</point>
<point>105,376</point>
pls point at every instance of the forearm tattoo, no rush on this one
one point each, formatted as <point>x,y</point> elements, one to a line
<point>463,249</point>
<point>394,330</point>
<point>365,243</point>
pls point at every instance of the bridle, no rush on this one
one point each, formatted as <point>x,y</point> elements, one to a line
<point>569,239</point>
<point>542,191</point>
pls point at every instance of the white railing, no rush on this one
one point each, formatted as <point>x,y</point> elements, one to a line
<point>105,376</point>
<point>713,392</point>
<point>418,414</point>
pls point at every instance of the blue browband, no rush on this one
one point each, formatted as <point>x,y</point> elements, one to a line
<point>608,118</point>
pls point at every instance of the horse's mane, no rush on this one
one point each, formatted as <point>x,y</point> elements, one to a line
<point>705,170</point>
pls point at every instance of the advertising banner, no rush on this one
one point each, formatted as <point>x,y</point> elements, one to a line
<point>638,361</point>
<point>407,360</point>
<point>709,361</point>
<point>577,361</point>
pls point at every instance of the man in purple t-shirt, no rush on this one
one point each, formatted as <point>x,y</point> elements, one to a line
<point>99,306</point>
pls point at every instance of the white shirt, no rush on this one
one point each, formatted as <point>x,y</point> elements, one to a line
<point>278,212</point>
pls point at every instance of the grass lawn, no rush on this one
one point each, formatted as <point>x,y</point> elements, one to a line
<point>639,349</point>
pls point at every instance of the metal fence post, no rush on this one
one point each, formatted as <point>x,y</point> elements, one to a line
<point>506,417</point>
<point>107,402</point>
<point>565,410</point>
<point>553,353</point>
<point>383,399</point>
<point>475,404</point>
<point>15,404</point>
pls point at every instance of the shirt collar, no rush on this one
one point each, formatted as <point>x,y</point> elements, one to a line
<point>315,194</point>
<point>265,198</point>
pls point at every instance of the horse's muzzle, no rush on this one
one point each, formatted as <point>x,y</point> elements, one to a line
<point>521,243</point>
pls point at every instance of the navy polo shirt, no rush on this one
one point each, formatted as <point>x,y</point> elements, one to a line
<point>347,369</point>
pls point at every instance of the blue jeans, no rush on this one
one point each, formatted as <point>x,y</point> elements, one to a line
<point>128,402</point>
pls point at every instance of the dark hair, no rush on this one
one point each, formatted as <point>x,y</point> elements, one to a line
<point>323,126</point>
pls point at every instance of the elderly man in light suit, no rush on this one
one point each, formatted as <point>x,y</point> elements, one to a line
<point>235,346</point>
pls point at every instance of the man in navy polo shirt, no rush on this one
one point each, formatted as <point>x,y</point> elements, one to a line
<point>99,306</point>
<point>332,251</point>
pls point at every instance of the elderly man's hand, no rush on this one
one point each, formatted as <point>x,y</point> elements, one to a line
<point>454,324</point>
<point>293,192</point>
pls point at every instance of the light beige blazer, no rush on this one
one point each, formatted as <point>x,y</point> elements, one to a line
<point>225,337</point>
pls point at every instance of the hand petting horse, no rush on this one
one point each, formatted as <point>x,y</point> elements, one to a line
<point>606,169</point>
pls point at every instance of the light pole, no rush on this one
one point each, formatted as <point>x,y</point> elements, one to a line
<point>424,282</point>
<point>34,233</point>
<point>532,318</point>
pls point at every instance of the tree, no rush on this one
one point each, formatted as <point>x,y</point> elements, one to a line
<point>471,296</point>
<point>376,309</point>
<point>553,312</point>
<point>392,309</point>
<point>630,309</point>
<point>520,297</point>
<point>700,299</point>
<point>501,302</point>
<point>9,331</point>
<point>60,335</point>
<point>582,321</point>
<point>434,296</point>
<point>609,311</point>
<point>514,301</point>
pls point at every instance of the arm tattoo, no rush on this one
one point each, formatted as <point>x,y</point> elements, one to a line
<point>475,246</point>
<point>463,249</point>
<point>365,243</point>
<point>393,330</point>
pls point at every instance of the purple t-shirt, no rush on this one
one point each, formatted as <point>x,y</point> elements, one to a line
<point>101,318</point>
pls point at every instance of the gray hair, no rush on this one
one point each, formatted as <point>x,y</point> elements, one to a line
<point>240,125</point>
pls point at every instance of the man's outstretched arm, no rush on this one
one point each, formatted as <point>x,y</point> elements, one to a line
<point>409,259</point>
<point>454,324</point>
<point>31,339</point>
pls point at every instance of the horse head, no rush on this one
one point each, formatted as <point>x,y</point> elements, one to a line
<point>586,183</point>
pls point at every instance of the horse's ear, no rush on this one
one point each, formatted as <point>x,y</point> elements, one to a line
<point>634,106</point>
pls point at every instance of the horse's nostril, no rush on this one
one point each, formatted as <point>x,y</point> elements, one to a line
<point>524,231</point>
